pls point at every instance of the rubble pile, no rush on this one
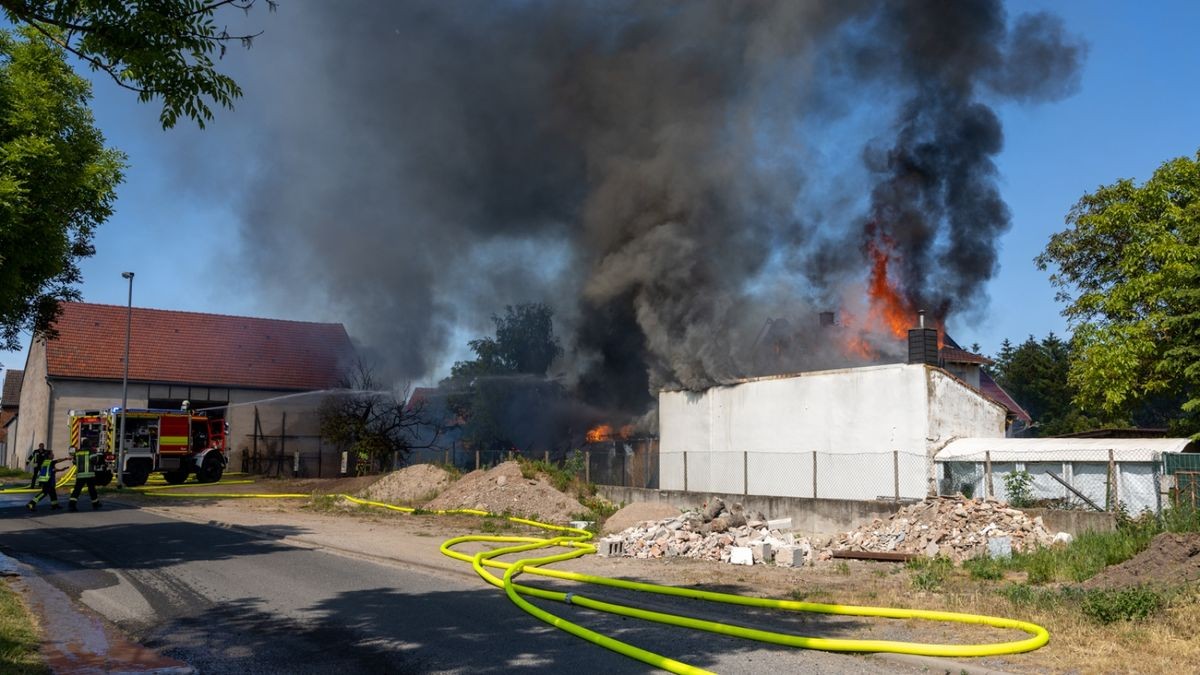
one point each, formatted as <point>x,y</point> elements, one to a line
<point>716,532</point>
<point>954,527</point>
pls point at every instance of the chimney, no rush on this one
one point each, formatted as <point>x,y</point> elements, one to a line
<point>827,319</point>
<point>922,343</point>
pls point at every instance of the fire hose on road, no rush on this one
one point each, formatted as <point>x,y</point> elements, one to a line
<point>577,543</point>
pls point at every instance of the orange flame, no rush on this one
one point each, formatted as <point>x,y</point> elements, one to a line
<point>605,432</point>
<point>889,309</point>
<point>600,433</point>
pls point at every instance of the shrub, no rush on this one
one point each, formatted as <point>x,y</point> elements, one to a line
<point>1123,604</point>
<point>985,567</point>
<point>928,574</point>
<point>1019,486</point>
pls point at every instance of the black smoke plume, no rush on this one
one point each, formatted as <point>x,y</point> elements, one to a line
<point>656,171</point>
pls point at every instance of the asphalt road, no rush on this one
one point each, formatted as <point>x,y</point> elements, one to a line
<point>229,602</point>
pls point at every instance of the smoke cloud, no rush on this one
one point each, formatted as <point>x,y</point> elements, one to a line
<point>658,172</point>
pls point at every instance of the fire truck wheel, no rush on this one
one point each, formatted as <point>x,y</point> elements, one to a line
<point>103,478</point>
<point>211,469</point>
<point>176,477</point>
<point>137,475</point>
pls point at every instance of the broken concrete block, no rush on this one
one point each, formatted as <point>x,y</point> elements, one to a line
<point>610,547</point>
<point>789,556</point>
<point>740,555</point>
<point>780,524</point>
<point>762,552</point>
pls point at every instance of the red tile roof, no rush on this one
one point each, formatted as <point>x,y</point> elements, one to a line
<point>194,348</point>
<point>10,394</point>
<point>994,391</point>
<point>956,355</point>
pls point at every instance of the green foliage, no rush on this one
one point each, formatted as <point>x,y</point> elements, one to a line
<point>161,50</point>
<point>985,568</point>
<point>19,640</point>
<point>6,472</point>
<point>1036,375</point>
<point>1129,269</point>
<point>57,182</point>
<point>1019,487</point>
<point>1122,604</point>
<point>842,568</point>
<point>506,376</point>
<point>928,574</point>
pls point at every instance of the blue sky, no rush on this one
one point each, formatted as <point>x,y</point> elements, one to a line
<point>1138,106</point>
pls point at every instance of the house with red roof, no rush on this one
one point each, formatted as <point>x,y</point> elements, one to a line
<point>10,397</point>
<point>226,365</point>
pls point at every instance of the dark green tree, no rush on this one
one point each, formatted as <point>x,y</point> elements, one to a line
<point>161,50</point>
<point>1035,374</point>
<point>57,182</point>
<point>507,373</point>
<point>1128,268</point>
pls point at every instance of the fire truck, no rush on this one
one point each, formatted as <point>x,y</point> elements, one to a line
<point>176,443</point>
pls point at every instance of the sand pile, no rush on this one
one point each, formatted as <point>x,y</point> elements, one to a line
<point>411,485</point>
<point>502,489</point>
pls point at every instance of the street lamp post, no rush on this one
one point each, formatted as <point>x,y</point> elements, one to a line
<point>125,384</point>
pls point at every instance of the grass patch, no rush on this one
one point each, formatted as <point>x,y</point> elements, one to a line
<point>7,472</point>
<point>928,574</point>
<point>985,568</point>
<point>1122,604</point>
<point>812,594</point>
<point>18,638</point>
<point>324,503</point>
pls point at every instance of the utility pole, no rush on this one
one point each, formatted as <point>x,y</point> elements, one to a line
<point>125,384</point>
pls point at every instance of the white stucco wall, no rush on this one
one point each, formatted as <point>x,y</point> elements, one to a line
<point>35,402</point>
<point>760,436</point>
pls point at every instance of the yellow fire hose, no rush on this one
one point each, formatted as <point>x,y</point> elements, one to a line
<point>62,482</point>
<point>576,541</point>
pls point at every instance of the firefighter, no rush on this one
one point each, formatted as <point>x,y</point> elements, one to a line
<point>33,461</point>
<point>45,477</point>
<point>85,474</point>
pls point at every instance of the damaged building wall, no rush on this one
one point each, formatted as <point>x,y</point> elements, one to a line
<point>865,432</point>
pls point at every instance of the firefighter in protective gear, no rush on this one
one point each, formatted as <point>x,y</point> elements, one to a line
<point>85,474</point>
<point>33,461</point>
<point>46,478</point>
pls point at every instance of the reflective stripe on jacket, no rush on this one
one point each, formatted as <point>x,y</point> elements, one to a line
<point>44,470</point>
<point>83,464</point>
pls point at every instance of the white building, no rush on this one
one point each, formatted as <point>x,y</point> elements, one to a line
<point>856,433</point>
<point>223,364</point>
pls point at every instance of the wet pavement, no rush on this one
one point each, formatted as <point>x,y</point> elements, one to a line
<point>76,640</point>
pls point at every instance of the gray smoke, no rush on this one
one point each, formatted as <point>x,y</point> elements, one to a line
<point>647,168</point>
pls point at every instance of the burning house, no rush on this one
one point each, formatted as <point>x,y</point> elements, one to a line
<point>854,433</point>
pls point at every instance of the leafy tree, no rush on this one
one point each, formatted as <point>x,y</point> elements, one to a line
<point>161,50</point>
<point>1035,373</point>
<point>376,425</point>
<point>1129,270</point>
<point>507,373</point>
<point>57,182</point>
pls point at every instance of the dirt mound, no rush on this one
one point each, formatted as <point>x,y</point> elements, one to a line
<point>1171,560</point>
<point>638,512</point>
<point>410,485</point>
<point>503,489</point>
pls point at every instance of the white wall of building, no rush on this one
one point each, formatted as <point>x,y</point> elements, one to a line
<point>762,435</point>
<point>34,407</point>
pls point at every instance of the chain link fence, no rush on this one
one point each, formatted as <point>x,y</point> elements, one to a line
<point>1089,480</point>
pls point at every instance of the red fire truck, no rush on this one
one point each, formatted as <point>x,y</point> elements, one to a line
<point>176,443</point>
